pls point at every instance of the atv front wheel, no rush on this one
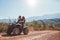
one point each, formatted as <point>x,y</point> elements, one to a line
<point>25,31</point>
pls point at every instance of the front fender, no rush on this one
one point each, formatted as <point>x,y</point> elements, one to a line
<point>25,27</point>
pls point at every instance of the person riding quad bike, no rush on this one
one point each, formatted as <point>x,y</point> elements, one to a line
<point>19,27</point>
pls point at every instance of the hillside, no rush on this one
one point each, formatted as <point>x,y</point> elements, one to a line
<point>51,16</point>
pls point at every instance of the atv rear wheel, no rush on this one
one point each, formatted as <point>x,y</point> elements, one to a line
<point>16,31</point>
<point>9,30</point>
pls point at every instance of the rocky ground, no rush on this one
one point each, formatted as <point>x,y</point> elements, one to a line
<point>33,35</point>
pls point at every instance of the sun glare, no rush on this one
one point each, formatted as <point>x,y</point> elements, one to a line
<point>32,3</point>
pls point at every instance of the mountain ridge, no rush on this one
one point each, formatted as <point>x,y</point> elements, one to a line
<point>52,16</point>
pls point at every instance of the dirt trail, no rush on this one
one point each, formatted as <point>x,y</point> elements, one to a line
<point>34,35</point>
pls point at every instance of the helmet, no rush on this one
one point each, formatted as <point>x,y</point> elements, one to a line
<point>19,16</point>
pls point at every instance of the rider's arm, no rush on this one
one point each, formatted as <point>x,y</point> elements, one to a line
<point>22,21</point>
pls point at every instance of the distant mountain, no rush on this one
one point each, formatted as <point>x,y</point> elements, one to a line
<point>55,20</point>
<point>7,20</point>
<point>44,17</point>
<point>51,16</point>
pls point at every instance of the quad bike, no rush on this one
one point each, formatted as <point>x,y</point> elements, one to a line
<point>16,29</point>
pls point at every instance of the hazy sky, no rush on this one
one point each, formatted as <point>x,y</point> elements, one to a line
<point>28,8</point>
